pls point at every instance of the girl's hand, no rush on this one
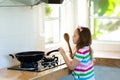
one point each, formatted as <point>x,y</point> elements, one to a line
<point>62,52</point>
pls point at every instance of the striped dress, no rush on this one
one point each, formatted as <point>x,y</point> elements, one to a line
<point>85,70</point>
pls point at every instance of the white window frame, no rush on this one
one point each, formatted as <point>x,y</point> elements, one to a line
<point>104,45</point>
<point>83,6</point>
<point>66,25</point>
<point>54,43</point>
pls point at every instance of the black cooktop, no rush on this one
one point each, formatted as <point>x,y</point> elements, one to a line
<point>40,67</point>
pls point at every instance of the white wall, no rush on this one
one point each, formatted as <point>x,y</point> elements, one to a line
<point>82,12</point>
<point>19,31</point>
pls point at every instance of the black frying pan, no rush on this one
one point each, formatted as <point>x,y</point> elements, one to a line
<point>31,56</point>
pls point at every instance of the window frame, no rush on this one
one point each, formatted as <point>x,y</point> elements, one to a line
<point>100,45</point>
<point>47,45</point>
<point>66,25</point>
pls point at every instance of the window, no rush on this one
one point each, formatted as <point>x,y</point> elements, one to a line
<point>59,19</point>
<point>105,20</point>
<point>52,24</point>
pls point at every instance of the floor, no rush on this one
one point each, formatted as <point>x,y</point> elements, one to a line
<point>102,73</point>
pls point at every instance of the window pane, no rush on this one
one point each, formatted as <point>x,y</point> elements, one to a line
<point>52,24</point>
<point>106,29</point>
<point>51,31</point>
<point>105,19</point>
<point>106,8</point>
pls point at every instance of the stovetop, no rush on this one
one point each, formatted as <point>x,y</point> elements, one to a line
<point>42,65</point>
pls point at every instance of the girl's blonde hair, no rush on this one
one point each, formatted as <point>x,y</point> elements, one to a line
<point>85,38</point>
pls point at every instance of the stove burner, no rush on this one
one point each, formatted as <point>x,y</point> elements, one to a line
<point>50,62</point>
<point>28,65</point>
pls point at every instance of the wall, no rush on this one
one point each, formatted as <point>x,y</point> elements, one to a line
<point>19,31</point>
<point>82,12</point>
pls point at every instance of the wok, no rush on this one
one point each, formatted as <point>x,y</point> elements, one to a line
<point>31,56</point>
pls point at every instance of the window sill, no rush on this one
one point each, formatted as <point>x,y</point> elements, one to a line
<point>106,46</point>
<point>107,54</point>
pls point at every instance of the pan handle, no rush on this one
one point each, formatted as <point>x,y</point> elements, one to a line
<point>48,53</point>
<point>11,55</point>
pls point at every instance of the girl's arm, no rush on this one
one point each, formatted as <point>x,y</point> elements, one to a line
<point>71,63</point>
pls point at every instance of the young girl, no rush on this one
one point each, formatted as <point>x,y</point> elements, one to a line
<point>82,63</point>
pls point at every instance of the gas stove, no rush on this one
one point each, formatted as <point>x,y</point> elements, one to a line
<point>44,64</point>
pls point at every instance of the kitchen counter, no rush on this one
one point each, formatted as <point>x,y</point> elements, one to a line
<point>50,74</point>
<point>101,58</point>
<point>107,58</point>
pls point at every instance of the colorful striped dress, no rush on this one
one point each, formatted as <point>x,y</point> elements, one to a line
<point>85,70</point>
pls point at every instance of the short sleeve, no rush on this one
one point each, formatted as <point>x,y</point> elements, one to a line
<point>79,56</point>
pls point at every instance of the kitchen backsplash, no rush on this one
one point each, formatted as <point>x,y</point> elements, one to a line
<point>19,31</point>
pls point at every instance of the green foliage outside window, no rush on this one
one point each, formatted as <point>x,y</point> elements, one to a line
<point>105,8</point>
<point>48,10</point>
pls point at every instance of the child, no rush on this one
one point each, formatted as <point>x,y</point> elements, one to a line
<point>82,63</point>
